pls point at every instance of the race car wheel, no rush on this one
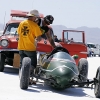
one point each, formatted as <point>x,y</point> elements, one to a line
<point>97,84</point>
<point>25,73</point>
<point>2,62</point>
<point>83,70</point>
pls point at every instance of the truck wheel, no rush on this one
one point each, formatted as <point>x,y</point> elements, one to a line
<point>25,73</point>
<point>97,84</point>
<point>2,62</point>
<point>83,70</point>
<point>94,55</point>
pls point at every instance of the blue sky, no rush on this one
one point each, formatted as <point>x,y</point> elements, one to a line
<point>70,13</point>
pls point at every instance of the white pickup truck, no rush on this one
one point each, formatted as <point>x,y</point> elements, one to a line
<point>93,49</point>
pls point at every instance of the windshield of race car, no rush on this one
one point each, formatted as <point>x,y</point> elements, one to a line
<point>63,56</point>
<point>12,29</point>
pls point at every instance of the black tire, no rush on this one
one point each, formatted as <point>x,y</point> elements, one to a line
<point>94,55</point>
<point>2,62</point>
<point>25,73</point>
<point>97,84</point>
<point>83,70</point>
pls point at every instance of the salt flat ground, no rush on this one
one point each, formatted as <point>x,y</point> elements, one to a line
<point>10,90</point>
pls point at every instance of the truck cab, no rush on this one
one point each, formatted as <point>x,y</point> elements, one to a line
<point>93,49</point>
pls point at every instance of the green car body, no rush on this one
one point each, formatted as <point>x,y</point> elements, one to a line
<point>60,68</point>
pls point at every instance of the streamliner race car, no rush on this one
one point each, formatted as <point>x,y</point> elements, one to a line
<point>59,70</point>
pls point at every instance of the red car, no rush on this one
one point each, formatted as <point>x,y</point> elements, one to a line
<point>9,40</point>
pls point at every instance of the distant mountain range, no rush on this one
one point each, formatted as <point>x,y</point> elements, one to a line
<point>91,34</point>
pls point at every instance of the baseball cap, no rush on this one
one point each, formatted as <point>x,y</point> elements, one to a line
<point>33,13</point>
<point>49,19</point>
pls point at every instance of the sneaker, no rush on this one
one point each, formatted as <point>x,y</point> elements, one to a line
<point>32,82</point>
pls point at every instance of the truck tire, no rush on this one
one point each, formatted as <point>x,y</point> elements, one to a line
<point>94,55</point>
<point>2,62</point>
<point>25,73</point>
<point>83,70</point>
<point>97,84</point>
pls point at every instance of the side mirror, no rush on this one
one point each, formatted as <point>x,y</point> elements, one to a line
<point>75,57</point>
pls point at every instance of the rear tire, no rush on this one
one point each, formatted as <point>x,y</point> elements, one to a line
<point>97,84</point>
<point>83,70</point>
<point>2,62</point>
<point>25,73</point>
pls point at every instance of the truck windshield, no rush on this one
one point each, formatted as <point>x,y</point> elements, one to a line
<point>91,45</point>
<point>12,29</point>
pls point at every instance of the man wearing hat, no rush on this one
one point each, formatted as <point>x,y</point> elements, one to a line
<point>28,31</point>
<point>47,30</point>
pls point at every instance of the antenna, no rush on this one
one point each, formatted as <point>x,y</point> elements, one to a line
<point>4,20</point>
<point>32,4</point>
